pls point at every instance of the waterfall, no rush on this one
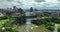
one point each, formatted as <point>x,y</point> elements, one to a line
<point>55,30</point>
<point>28,21</point>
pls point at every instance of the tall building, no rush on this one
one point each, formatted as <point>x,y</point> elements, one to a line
<point>15,8</point>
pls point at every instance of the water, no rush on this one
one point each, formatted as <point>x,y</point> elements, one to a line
<point>55,30</point>
<point>28,21</point>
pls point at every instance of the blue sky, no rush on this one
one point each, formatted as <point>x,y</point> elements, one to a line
<point>30,3</point>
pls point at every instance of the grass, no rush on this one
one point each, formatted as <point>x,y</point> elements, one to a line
<point>24,28</point>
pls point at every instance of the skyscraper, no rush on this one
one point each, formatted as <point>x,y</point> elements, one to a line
<point>15,8</point>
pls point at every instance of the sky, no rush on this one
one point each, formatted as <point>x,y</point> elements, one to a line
<point>30,3</point>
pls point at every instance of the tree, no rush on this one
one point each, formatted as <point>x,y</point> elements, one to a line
<point>31,9</point>
<point>21,10</point>
<point>36,9</point>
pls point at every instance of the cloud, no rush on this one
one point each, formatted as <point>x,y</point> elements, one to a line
<point>58,0</point>
<point>29,3</point>
<point>40,0</point>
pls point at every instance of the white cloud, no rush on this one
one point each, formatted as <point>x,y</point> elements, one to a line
<point>53,1</point>
<point>29,3</point>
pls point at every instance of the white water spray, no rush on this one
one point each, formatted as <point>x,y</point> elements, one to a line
<point>55,30</point>
<point>28,21</point>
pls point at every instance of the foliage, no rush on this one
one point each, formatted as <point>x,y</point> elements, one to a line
<point>50,26</point>
<point>43,14</point>
<point>8,28</point>
<point>56,19</point>
<point>3,17</point>
<point>38,21</point>
<point>19,20</point>
<point>31,9</point>
<point>58,29</point>
<point>48,22</point>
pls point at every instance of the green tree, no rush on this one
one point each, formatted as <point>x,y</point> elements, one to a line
<point>31,9</point>
<point>36,9</point>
